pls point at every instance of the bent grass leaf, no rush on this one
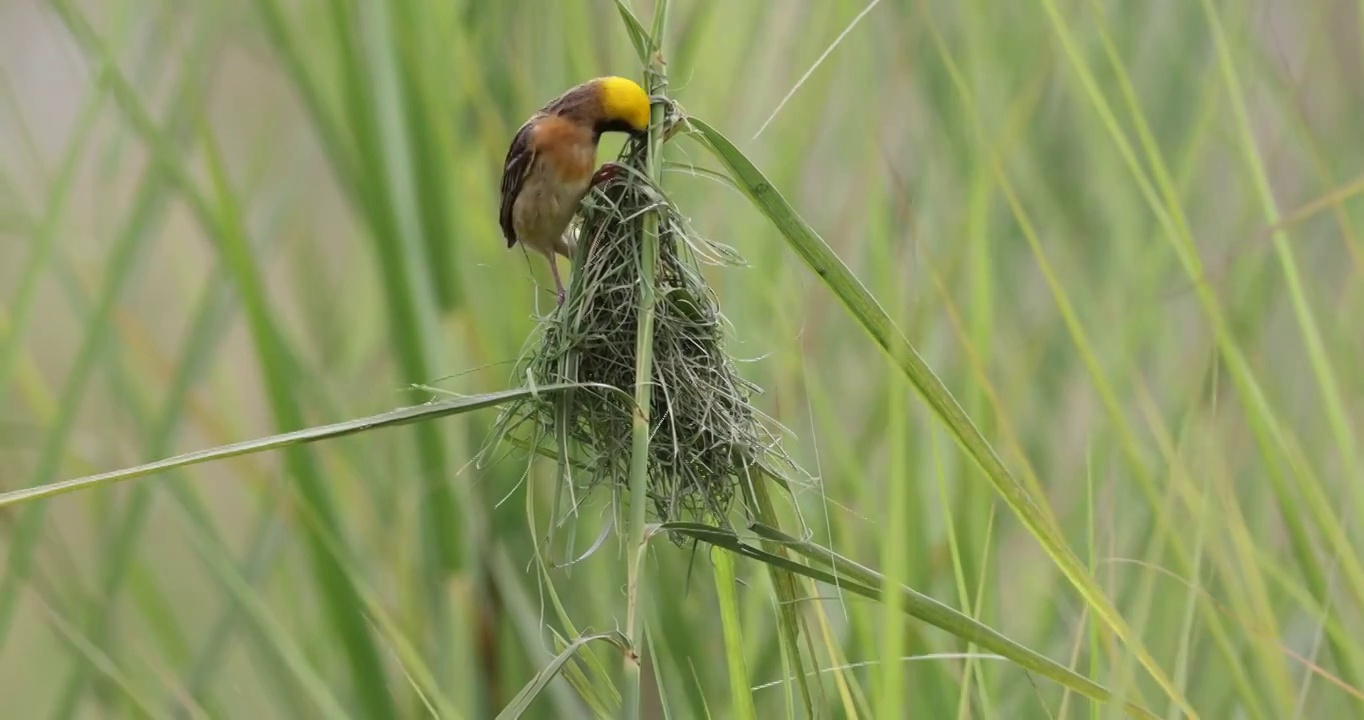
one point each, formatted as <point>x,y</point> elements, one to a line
<point>855,297</point>
<point>392,418</point>
<point>523,699</point>
<point>848,575</point>
<point>639,36</point>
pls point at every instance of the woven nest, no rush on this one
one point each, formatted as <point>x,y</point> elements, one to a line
<point>705,434</point>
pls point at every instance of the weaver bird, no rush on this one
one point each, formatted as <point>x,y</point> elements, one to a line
<point>550,163</point>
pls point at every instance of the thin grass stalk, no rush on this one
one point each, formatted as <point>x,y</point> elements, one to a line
<point>364,38</point>
<point>1299,534</point>
<point>527,695</point>
<point>23,302</point>
<point>1299,121</point>
<point>1136,463</point>
<point>158,434</point>
<point>87,610</point>
<point>974,501</point>
<point>568,371</point>
<point>1067,561</point>
<point>100,660</point>
<point>215,308</point>
<point>1085,347</point>
<point>835,274</point>
<point>858,579</point>
<point>651,630</point>
<point>123,256</point>
<point>44,239</point>
<point>1270,435</point>
<point>267,662</point>
<point>123,536</point>
<point>419,674</point>
<point>870,584</point>
<point>737,670</point>
<point>222,224</point>
<point>431,183</point>
<point>852,697</point>
<point>280,641</point>
<point>672,651</point>
<point>787,591</point>
<point>1337,417</point>
<point>343,604</point>
<point>348,134</point>
<point>284,440</point>
<point>656,81</point>
<point>970,671</point>
<point>1322,369</point>
<point>197,517</point>
<point>895,549</point>
<point>590,693</point>
<point>267,541</point>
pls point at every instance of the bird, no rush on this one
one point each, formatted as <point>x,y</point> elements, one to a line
<point>551,161</point>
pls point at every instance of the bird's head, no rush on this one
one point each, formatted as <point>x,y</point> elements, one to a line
<point>607,104</point>
<point>624,106</point>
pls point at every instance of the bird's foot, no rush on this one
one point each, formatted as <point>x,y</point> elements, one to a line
<point>606,172</point>
<point>561,297</point>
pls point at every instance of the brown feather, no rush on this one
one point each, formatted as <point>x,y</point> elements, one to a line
<point>569,147</point>
<point>580,103</point>
<point>520,160</point>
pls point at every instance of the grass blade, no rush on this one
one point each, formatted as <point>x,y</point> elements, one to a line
<point>855,298</point>
<point>392,418</point>
<point>656,81</point>
<point>726,583</point>
<point>859,580</point>
<point>517,707</point>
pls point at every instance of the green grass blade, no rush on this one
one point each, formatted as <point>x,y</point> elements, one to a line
<point>726,583</point>
<point>1272,438</point>
<point>855,298</point>
<point>519,704</point>
<point>859,580</point>
<point>639,36</point>
<point>1323,371</point>
<point>392,418</point>
<point>340,596</point>
<point>103,664</point>
<point>36,264</point>
<point>148,205</point>
<point>277,638</point>
<point>656,82</point>
<point>792,626</point>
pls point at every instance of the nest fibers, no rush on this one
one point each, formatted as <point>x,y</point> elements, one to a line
<point>705,435</point>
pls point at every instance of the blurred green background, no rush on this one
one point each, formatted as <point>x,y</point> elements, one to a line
<point>1125,235</point>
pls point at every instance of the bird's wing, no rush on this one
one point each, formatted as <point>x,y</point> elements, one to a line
<point>520,159</point>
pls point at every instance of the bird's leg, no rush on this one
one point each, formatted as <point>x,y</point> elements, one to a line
<point>558,282</point>
<point>606,172</point>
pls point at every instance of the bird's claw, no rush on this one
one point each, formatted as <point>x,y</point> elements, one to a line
<point>606,172</point>
<point>561,297</point>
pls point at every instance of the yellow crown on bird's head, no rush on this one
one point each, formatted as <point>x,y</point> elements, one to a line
<point>606,104</point>
<point>624,100</point>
